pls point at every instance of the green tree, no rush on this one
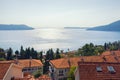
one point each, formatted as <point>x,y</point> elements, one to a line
<point>46,66</point>
<point>57,54</point>
<point>17,53</point>
<point>9,54</point>
<point>2,59</point>
<point>37,74</point>
<point>51,54</point>
<point>71,73</point>
<point>2,54</point>
<point>22,53</point>
<point>41,56</point>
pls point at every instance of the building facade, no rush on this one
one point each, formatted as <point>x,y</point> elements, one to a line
<point>9,71</point>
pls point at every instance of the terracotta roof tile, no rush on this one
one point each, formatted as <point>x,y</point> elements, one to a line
<point>3,69</point>
<point>63,62</point>
<point>116,53</point>
<point>87,71</point>
<point>26,62</point>
<point>44,77</point>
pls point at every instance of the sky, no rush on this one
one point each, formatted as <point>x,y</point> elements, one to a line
<point>59,13</point>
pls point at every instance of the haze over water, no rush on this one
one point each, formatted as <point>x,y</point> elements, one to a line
<point>43,39</point>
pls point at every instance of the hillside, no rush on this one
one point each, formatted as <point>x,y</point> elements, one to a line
<point>115,26</point>
<point>14,27</point>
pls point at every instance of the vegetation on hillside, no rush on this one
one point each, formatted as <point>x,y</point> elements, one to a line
<point>91,49</point>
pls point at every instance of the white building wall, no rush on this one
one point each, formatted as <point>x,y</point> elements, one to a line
<point>77,75</point>
<point>13,72</point>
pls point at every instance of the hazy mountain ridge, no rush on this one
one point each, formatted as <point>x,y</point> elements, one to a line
<point>115,26</point>
<point>15,27</point>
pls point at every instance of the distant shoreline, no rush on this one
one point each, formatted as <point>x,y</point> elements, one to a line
<point>15,27</point>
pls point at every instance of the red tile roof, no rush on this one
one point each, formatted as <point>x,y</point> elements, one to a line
<point>44,77</point>
<point>30,77</point>
<point>87,71</point>
<point>26,63</point>
<point>3,69</point>
<point>63,62</point>
<point>116,53</point>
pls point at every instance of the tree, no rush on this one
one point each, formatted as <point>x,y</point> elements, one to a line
<point>22,53</point>
<point>2,54</point>
<point>16,53</point>
<point>41,55</point>
<point>9,54</point>
<point>51,54</point>
<point>2,59</point>
<point>71,73</point>
<point>57,54</point>
<point>27,53</point>
<point>47,55</point>
<point>46,66</point>
<point>37,74</point>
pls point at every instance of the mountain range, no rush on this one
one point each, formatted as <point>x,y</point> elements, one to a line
<point>14,27</point>
<point>115,26</point>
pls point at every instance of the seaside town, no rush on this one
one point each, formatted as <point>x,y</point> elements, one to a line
<point>63,66</point>
<point>59,39</point>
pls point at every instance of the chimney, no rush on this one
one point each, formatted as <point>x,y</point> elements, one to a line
<point>82,60</point>
<point>69,62</point>
<point>16,60</point>
<point>30,61</point>
<point>104,59</point>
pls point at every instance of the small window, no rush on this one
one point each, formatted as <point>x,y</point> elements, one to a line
<point>24,69</point>
<point>61,73</point>
<point>111,69</point>
<point>29,69</point>
<point>99,69</point>
<point>65,70</point>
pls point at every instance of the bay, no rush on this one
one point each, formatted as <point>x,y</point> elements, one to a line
<point>44,39</point>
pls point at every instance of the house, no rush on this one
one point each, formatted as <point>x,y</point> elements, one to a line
<point>10,70</point>
<point>59,68</point>
<point>98,71</point>
<point>30,65</point>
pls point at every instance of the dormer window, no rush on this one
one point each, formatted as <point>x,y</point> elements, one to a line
<point>111,69</point>
<point>99,69</point>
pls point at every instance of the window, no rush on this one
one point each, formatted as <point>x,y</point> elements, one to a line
<point>99,69</point>
<point>65,70</point>
<point>111,69</point>
<point>24,70</point>
<point>61,73</point>
<point>29,69</point>
<point>39,68</point>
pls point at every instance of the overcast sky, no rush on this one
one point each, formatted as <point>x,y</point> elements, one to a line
<point>59,13</point>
